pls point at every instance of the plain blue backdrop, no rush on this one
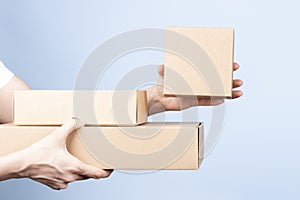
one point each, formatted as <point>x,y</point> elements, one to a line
<point>258,155</point>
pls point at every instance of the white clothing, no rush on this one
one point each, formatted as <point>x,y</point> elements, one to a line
<point>5,75</point>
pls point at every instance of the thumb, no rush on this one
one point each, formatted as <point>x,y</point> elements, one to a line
<point>68,127</point>
<point>160,71</point>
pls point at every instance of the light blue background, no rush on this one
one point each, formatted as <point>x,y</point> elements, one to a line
<point>258,156</point>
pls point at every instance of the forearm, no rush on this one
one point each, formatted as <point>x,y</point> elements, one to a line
<point>11,166</point>
<point>7,98</point>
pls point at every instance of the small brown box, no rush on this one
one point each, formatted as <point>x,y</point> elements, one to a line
<point>198,61</point>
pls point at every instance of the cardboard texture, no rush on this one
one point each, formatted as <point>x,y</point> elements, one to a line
<point>200,63</point>
<point>145,147</point>
<point>107,108</point>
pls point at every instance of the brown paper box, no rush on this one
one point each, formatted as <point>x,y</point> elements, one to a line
<point>149,146</point>
<point>200,61</point>
<point>53,107</point>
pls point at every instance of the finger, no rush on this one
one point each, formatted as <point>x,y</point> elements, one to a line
<point>55,185</point>
<point>237,94</point>
<point>236,66</point>
<point>81,177</point>
<point>73,177</point>
<point>160,70</point>
<point>45,182</point>
<point>78,122</point>
<point>67,128</point>
<point>216,102</point>
<point>237,83</point>
<point>63,186</point>
<point>210,102</point>
<point>93,172</point>
<point>107,173</point>
<point>52,186</point>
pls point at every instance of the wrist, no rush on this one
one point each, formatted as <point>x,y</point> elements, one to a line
<point>13,166</point>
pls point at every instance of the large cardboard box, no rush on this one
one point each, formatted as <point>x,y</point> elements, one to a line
<point>146,147</point>
<point>107,108</point>
<point>198,61</point>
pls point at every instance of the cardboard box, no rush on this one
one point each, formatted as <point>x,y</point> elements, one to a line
<point>200,61</point>
<point>107,108</point>
<point>150,146</point>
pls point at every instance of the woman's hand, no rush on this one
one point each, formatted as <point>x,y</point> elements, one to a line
<point>49,162</point>
<point>157,102</point>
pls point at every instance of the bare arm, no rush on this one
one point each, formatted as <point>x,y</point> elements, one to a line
<point>47,161</point>
<point>7,98</point>
<point>9,166</point>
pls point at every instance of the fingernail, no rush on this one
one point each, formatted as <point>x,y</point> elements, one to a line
<point>78,122</point>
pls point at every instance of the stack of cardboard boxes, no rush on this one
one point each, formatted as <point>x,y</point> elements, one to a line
<point>116,134</point>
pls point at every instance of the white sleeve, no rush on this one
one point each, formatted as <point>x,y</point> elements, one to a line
<point>5,75</point>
